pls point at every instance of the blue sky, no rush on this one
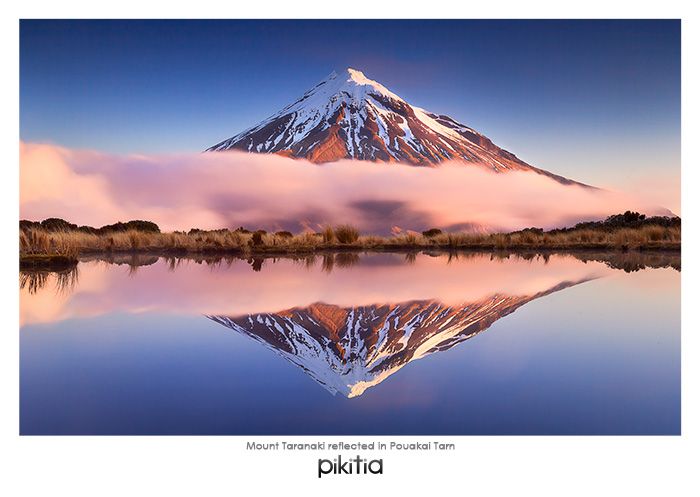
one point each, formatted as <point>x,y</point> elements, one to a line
<point>598,101</point>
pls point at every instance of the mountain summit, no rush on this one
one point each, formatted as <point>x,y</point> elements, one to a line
<point>349,116</point>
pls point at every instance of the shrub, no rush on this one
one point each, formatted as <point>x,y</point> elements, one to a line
<point>346,233</point>
<point>88,229</point>
<point>629,218</point>
<point>533,231</point>
<point>24,224</point>
<point>432,232</point>
<point>134,225</point>
<point>143,226</point>
<point>197,231</point>
<point>284,234</point>
<point>58,224</point>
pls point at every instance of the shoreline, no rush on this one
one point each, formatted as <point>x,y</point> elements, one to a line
<point>55,242</point>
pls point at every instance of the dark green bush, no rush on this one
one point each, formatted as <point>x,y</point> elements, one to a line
<point>628,219</point>
<point>534,231</point>
<point>197,231</point>
<point>58,224</point>
<point>25,224</point>
<point>88,229</point>
<point>136,225</point>
<point>432,232</point>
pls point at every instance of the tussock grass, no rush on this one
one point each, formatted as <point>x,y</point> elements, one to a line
<point>346,234</point>
<point>36,241</point>
<point>328,234</point>
<point>38,249</point>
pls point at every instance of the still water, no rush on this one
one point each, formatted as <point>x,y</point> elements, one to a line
<point>376,343</point>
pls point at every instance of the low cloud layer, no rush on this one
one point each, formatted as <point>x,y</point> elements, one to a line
<point>232,189</point>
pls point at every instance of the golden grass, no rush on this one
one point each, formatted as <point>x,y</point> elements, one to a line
<point>40,242</point>
<point>346,234</point>
<point>73,243</point>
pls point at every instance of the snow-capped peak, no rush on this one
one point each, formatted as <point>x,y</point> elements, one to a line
<point>348,86</point>
<point>354,76</point>
<point>350,116</point>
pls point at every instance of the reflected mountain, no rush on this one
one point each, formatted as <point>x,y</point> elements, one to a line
<point>350,349</point>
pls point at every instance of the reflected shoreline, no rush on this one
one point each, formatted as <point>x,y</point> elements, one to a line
<point>631,261</point>
<point>627,261</point>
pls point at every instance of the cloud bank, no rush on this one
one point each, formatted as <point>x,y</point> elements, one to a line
<point>232,189</point>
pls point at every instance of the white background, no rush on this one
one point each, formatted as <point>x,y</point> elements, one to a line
<point>570,466</point>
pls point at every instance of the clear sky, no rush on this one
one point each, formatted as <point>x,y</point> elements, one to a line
<point>597,101</point>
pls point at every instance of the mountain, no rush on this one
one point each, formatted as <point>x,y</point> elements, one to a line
<point>349,116</point>
<point>349,349</point>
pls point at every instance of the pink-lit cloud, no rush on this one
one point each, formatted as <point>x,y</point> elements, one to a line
<point>234,189</point>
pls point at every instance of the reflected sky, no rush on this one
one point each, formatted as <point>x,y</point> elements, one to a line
<point>129,349</point>
<point>235,287</point>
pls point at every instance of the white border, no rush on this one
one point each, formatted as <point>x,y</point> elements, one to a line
<point>79,466</point>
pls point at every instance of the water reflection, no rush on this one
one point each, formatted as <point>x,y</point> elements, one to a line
<point>135,344</point>
<point>34,281</point>
<point>347,350</point>
<point>228,285</point>
<point>65,280</point>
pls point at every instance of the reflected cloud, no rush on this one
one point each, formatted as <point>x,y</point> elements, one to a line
<point>349,320</point>
<point>230,285</point>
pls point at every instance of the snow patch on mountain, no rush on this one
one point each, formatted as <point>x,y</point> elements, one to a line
<point>349,116</point>
<point>350,349</point>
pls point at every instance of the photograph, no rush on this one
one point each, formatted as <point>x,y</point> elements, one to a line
<point>349,227</point>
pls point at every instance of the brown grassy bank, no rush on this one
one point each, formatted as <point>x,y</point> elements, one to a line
<point>36,242</point>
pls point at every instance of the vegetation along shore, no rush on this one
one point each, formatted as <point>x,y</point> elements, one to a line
<point>57,243</point>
